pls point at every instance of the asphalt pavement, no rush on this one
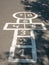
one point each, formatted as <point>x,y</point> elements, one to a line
<point>7,9</point>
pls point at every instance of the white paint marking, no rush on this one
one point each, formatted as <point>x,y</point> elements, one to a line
<point>6,26</point>
<point>44,26</point>
<point>34,53</point>
<point>35,15</point>
<point>13,46</point>
<point>23,23</point>
<point>24,36</point>
<point>23,46</point>
<point>14,42</point>
<point>23,32</point>
<point>22,60</point>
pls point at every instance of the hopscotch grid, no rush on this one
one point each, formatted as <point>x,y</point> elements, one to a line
<point>14,42</point>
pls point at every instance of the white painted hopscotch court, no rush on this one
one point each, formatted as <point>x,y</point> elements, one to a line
<point>23,46</point>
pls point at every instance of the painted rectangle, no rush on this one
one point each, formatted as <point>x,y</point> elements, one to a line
<point>15,26</point>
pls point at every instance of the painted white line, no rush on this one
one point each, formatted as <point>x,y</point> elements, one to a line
<point>17,21</point>
<point>13,46</point>
<point>23,23</point>
<point>18,29</point>
<point>22,60</point>
<point>24,46</point>
<point>34,53</point>
<point>23,32</point>
<point>44,28</point>
<point>24,36</point>
<point>5,27</point>
<point>25,29</point>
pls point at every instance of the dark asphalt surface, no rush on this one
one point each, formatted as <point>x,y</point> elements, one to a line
<point>7,8</point>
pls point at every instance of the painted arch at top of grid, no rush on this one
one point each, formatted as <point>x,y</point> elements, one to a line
<point>25,15</point>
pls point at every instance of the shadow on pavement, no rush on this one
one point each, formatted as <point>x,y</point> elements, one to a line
<point>41,7</point>
<point>42,44</point>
